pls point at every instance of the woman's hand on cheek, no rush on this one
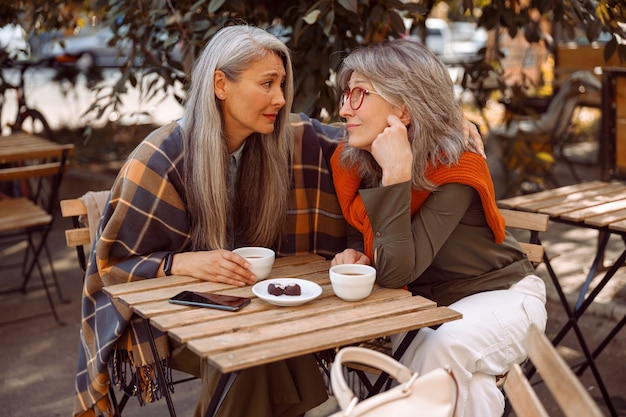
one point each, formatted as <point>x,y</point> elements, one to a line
<point>215,266</point>
<point>392,151</point>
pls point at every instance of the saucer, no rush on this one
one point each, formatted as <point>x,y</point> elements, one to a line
<point>309,291</point>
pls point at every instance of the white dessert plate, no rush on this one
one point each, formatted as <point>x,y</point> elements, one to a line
<point>309,291</point>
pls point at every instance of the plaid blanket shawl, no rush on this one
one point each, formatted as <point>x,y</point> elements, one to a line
<point>315,223</point>
<point>145,218</point>
<point>131,242</point>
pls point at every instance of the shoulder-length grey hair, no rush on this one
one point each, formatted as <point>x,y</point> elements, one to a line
<point>404,71</point>
<point>262,185</point>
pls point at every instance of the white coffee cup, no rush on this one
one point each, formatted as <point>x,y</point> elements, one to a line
<point>260,259</point>
<point>352,282</point>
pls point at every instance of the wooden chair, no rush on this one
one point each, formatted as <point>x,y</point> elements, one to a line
<point>533,223</point>
<point>561,381</point>
<point>566,389</point>
<point>81,237</point>
<point>27,212</point>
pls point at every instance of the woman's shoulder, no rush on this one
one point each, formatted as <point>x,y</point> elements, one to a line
<point>167,139</point>
<point>311,135</point>
<point>167,132</point>
<point>331,132</point>
<point>159,151</point>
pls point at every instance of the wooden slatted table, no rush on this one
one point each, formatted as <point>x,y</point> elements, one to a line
<point>21,146</point>
<point>31,169</point>
<point>597,205</point>
<point>22,157</point>
<point>257,334</point>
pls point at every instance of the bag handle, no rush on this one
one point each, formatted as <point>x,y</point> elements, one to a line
<point>370,357</point>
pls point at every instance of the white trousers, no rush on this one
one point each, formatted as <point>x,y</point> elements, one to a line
<point>485,343</point>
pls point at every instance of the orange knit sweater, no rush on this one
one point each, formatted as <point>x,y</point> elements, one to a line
<point>471,170</point>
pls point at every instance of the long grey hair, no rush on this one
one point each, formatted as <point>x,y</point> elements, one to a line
<point>405,72</point>
<point>262,185</point>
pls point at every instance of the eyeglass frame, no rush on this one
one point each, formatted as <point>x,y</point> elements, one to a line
<point>346,96</point>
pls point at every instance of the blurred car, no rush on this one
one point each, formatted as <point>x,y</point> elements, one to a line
<point>91,47</point>
<point>453,42</point>
<point>467,39</point>
<point>13,42</point>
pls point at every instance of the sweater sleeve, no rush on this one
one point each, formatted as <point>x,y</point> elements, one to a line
<point>403,247</point>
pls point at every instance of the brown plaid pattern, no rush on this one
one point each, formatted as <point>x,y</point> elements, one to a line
<point>132,240</point>
<point>315,223</point>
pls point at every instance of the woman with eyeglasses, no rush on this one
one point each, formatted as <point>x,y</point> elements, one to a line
<point>427,212</point>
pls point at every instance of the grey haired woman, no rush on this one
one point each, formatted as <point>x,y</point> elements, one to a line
<point>426,208</point>
<point>182,201</point>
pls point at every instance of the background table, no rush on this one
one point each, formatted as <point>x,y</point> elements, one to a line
<point>21,146</point>
<point>262,333</point>
<point>597,205</point>
<point>31,171</point>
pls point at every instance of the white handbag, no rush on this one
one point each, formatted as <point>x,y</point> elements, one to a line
<point>431,395</point>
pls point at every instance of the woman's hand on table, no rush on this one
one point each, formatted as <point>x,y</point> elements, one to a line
<point>350,256</point>
<point>216,266</point>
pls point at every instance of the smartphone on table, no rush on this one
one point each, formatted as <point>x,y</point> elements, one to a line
<point>210,300</point>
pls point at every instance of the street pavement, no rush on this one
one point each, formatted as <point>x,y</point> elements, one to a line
<point>38,356</point>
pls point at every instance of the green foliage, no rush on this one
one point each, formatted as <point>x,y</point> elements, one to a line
<point>513,17</point>
<point>318,33</point>
<point>46,15</point>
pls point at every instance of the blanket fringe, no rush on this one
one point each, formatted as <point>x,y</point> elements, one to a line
<point>141,381</point>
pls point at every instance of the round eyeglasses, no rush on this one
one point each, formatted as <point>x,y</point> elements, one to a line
<point>354,96</point>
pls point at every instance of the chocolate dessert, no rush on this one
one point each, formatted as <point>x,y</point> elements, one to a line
<point>280,289</point>
<point>276,289</point>
<point>293,289</point>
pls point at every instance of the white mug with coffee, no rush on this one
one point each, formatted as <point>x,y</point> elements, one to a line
<point>352,282</point>
<point>260,259</point>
